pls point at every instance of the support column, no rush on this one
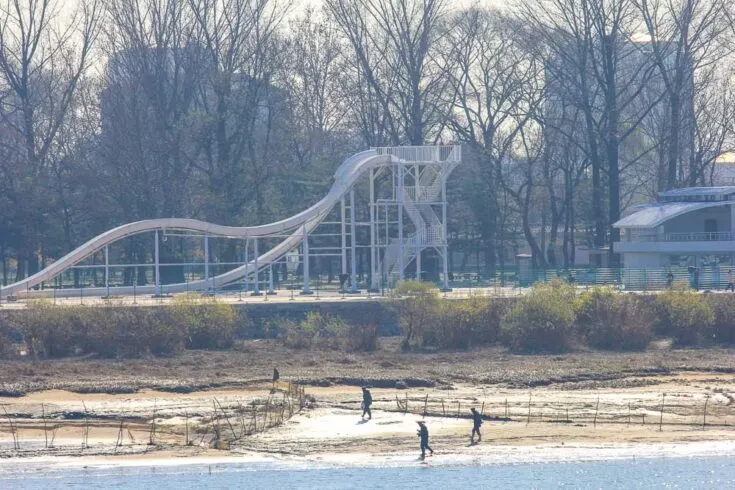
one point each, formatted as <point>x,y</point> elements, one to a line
<point>107,271</point>
<point>206,261</point>
<point>400,221</point>
<point>445,244</point>
<point>353,244</point>
<point>247,262</point>
<point>157,270</point>
<point>270,278</point>
<point>418,263</point>
<point>374,282</point>
<point>305,259</point>
<point>344,235</point>
<point>256,287</point>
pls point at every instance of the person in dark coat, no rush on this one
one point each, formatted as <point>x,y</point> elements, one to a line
<point>476,423</point>
<point>423,434</point>
<point>367,400</point>
<point>276,377</point>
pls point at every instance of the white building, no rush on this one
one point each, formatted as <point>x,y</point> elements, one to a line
<point>687,227</point>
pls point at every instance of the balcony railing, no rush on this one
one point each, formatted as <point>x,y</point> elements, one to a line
<point>698,236</point>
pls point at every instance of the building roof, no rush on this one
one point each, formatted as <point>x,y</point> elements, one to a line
<point>656,214</point>
<point>698,191</point>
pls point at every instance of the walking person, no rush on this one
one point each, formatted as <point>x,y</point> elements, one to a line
<point>730,282</point>
<point>476,423</point>
<point>276,377</point>
<point>423,434</point>
<point>367,400</point>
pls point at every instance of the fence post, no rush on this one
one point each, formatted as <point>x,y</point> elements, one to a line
<point>704,419</point>
<point>661,419</point>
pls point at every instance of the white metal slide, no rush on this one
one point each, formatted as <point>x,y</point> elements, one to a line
<point>296,227</point>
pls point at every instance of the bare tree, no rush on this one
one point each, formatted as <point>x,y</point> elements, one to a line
<point>686,36</point>
<point>394,45</point>
<point>496,91</point>
<point>594,64</point>
<point>42,59</point>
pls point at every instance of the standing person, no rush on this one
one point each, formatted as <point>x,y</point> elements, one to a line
<point>367,400</point>
<point>730,282</point>
<point>276,377</point>
<point>423,434</point>
<point>670,280</point>
<point>476,423</point>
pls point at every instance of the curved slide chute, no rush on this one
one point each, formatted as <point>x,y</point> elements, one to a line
<point>295,227</point>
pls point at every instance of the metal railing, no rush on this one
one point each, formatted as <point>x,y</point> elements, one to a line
<point>690,236</point>
<point>704,236</point>
<point>450,153</point>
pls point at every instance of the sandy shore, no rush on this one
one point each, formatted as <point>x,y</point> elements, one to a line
<point>562,425</point>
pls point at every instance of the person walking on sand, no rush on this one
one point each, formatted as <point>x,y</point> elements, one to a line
<point>367,400</point>
<point>730,282</point>
<point>476,423</point>
<point>423,434</point>
<point>276,377</point>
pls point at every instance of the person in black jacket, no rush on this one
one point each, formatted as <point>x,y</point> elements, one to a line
<point>367,400</point>
<point>476,423</point>
<point>423,434</point>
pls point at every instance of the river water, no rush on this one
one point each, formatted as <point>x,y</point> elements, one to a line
<point>689,473</point>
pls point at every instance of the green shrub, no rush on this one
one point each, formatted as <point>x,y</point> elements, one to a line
<point>417,307</point>
<point>608,320</point>
<point>461,324</point>
<point>316,330</point>
<point>50,331</point>
<point>208,324</point>
<point>686,316</point>
<point>723,330</point>
<point>541,320</point>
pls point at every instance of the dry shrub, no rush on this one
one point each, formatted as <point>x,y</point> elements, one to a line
<point>723,330</point>
<point>316,330</point>
<point>417,306</point>
<point>686,316</point>
<point>208,324</point>
<point>541,320</point>
<point>362,338</point>
<point>608,320</point>
<point>462,324</point>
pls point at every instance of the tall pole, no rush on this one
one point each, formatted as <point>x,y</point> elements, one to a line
<point>206,260</point>
<point>305,243</point>
<point>373,265</point>
<point>344,235</point>
<point>400,221</point>
<point>107,271</point>
<point>353,243</point>
<point>256,290</point>
<point>270,278</point>
<point>247,276</point>
<point>157,271</point>
<point>445,244</point>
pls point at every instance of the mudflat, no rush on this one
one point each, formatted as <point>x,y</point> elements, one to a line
<point>223,405</point>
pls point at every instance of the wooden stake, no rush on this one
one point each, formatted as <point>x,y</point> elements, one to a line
<point>661,419</point>
<point>597,408</point>
<point>45,428</point>
<point>704,418</point>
